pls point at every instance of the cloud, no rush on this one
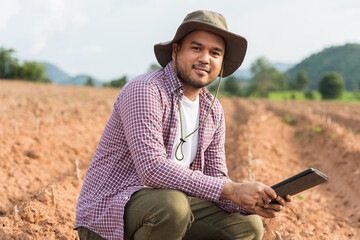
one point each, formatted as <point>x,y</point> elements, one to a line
<point>86,49</point>
<point>39,45</point>
<point>7,10</point>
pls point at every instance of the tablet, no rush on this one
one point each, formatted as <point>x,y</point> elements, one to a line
<point>299,182</point>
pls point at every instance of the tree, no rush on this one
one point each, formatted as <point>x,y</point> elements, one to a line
<point>309,94</point>
<point>34,72</point>
<point>231,85</point>
<point>357,90</point>
<point>29,70</point>
<point>89,82</point>
<point>212,86</point>
<point>265,78</point>
<point>117,83</point>
<point>343,59</point>
<point>154,67</point>
<point>9,66</point>
<point>331,86</point>
<point>301,81</point>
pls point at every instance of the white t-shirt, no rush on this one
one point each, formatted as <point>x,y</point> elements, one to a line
<point>190,121</point>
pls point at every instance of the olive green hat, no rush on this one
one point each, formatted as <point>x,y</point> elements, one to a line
<point>212,22</point>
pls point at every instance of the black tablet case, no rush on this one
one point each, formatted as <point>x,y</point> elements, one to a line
<point>300,182</point>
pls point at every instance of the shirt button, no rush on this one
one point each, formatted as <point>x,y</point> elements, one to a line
<point>126,197</point>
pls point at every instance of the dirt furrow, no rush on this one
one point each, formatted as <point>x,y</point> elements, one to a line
<point>45,128</point>
<point>279,154</point>
<point>330,148</point>
<point>50,214</point>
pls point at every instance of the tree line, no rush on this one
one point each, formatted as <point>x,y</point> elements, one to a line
<point>266,79</point>
<point>10,68</point>
<point>120,82</point>
<point>343,59</point>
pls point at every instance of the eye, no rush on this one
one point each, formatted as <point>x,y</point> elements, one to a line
<point>215,53</point>
<point>195,48</point>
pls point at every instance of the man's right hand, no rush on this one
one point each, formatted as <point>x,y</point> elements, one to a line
<point>248,194</point>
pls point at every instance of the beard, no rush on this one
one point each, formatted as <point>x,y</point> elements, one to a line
<point>186,79</point>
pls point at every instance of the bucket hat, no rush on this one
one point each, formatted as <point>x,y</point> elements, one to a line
<point>236,45</point>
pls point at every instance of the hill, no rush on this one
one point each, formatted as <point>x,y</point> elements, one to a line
<point>58,76</point>
<point>344,60</point>
<point>245,73</point>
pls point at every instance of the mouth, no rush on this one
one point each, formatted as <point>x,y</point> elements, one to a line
<point>201,70</point>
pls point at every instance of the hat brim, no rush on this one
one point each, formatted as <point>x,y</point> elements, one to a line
<point>235,51</point>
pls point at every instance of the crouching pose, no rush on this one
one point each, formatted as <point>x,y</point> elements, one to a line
<point>159,171</point>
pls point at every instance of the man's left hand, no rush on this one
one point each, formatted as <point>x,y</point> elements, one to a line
<point>270,210</point>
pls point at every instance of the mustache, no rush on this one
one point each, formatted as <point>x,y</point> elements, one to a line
<point>202,66</point>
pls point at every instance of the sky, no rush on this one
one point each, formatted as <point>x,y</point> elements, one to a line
<point>108,39</point>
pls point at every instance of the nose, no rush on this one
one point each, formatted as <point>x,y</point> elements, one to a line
<point>204,57</point>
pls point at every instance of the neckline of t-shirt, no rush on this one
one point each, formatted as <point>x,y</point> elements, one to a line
<point>188,102</point>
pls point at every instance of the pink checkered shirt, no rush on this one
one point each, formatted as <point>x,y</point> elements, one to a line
<point>135,149</point>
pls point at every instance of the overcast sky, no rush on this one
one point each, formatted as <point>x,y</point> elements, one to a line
<point>111,38</point>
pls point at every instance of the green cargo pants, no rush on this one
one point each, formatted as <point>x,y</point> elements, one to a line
<point>167,214</point>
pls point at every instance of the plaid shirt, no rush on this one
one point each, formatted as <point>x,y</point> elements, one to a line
<point>135,150</point>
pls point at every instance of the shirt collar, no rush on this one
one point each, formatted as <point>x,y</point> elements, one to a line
<point>171,79</point>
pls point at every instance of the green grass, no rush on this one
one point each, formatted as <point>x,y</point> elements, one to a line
<point>308,133</point>
<point>288,95</point>
<point>289,119</point>
<point>299,95</point>
<point>350,96</point>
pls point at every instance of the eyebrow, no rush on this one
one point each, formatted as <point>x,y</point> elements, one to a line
<point>200,44</point>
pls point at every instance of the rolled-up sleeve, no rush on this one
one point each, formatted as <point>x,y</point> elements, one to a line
<point>215,165</point>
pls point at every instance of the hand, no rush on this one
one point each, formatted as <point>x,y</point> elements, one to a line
<point>249,194</point>
<point>270,210</point>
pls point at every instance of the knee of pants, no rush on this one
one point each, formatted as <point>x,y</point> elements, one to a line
<point>172,206</point>
<point>256,227</point>
<point>163,213</point>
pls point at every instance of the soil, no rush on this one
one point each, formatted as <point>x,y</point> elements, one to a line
<point>48,134</point>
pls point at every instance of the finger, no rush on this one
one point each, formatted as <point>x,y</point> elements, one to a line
<point>270,192</point>
<point>288,198</point>
<point>280,200</point>
<point>260,203</point>
<point>274,207</point>
<point>266,213</point>
<point>270,213</point>
<point>266,199</point>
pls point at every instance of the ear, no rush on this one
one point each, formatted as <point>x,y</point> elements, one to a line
<point>174,49</point>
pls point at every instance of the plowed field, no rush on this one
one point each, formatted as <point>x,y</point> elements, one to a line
<point>49,133</point>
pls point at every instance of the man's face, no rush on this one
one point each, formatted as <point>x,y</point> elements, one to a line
<point>199,58</point>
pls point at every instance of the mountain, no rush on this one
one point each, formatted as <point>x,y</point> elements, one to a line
<point>81,79</point>
<point>344,60</point>
<point>282,67</point>
<point>58,76</point>
<point>245,73</point>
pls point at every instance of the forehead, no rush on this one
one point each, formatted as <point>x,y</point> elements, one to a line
<point>205,38</point>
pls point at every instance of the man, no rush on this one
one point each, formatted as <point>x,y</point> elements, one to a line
<point>159,171</point>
